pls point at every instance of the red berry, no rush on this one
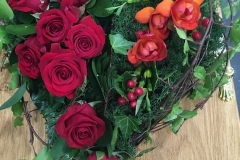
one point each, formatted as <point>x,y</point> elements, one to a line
<point>139,34</point>
<point>205,22</point>
<point>131,83</point>
<point>138,91</point>
<point>121,100</point>
<point>133,104</point>
<point>196,36</point>
<point>131,96</point>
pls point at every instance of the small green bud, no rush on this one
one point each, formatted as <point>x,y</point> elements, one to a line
<point>147,74</point>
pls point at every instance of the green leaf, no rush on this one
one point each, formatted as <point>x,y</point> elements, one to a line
<point>188,114</point>
<point>90,4</point>
<point>144,151</point>
<point>170,117</point>
<point>139,102</point>
<point>127,125</point>
<point>115,136</point>
<point>98,9</point>
<point>169,75</point>
<point>23,17</point>
<point>200,92</point>
<point>18,121</point>
<point>13,70</point>
<point>17,109</point>
<point>176,124</point>
<point>20,29</point>
<point>200,72</point>
<point>227,11</point>
<point>176,109</point>
<point>148,103</point>
<point>15,98</point>
<point>59,148</point>
<point>235,30</point>
<point>106,139</point>
<point>94,103</point>
<point>186,48</point>
<point>120,44</point>
<point>215,65</point>
<point>154,77</point>
<point>45,154</point>
<point>181,33</point>
<point>99,155</point>
<point>5,10</point>
<point>118,87</point>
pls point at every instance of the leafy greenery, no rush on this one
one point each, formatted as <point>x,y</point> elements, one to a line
<point>120,44</point>
<point>44,154</point>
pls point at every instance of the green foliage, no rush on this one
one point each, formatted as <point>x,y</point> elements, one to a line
<point>13,70</point>
<point>200,92</point>
<point>15,98</point>
<point>100,155</point>
<point>20,29</point>
<point>44,154</point>
<point>181,32</point>
<point>18,121</point>
<point>106,139</point>
<point>5,10</point>
<point>199,72</point>
<point>234,34</point>
<point>144,151</point>
<point>176,124</point>
<point>120,44</point>
<point>127,125</point>
<point>235,7</point>
<point>97,8</point>
<point>118,9</point>
<point>59,148</point>
<point>17,109</point>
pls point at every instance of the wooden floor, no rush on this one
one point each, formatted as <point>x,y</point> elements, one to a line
<point>213,135</point>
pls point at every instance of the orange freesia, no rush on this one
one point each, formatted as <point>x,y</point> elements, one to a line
<point>158,25</point>
<point>164,8</point>
<point>148,48</point>
<point>199,2</point>
<point>144,14</point>
<point>186,14</point>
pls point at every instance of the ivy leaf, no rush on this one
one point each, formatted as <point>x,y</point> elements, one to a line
<point>176,124</point>
<point>127,125</point>
<point>139,102</point>
<point>170,117</point>
<point>176,109</point>
<point>13,70</point>
<point>145,151</point>
<point>227,11</point>
<point>120,44</point>
<point>59,148</point>
<point>15,98</point>
<point>188,114</point>
<point>200,72</point>
<point>44,154</point>
<point>17,109</point>
<point>234,34</point>
<point>18,121</point>
<point>181,33</point>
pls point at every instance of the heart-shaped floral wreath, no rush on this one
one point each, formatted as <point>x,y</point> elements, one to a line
<point>105,73</point>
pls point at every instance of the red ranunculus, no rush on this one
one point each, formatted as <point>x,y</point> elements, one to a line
<point>31,6</point>
<point>86,39</point>
<point>29,54</point>
<point>80,126</point>
<point>76,3</point>
<point>93,156</point>
<point>62,71</point>
<point>53,26</point>
<point>148,48</point>
<point>158,25</point>
<point>185,14</point>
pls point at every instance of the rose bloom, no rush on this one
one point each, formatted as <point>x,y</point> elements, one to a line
<point>80,126</point>
<point>93,156</point>
<point>86,39</point>
<point>76,3</point>
<point>158,25</point>
<point>185,14</point>
<point>31,6</point>
<point>29,54</point>
<point>62,71</point>
<point>148,48</point>
<point>53,26</point>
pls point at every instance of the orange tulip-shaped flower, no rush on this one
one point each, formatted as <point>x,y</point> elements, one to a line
<point>144,14</point>
<point>185,14</point>
<point>158,25</point>
<point>164,8</point>
<point>148,48</point>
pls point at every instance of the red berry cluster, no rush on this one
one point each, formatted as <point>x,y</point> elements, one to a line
<point>132,94</point>
<point>196,35</point>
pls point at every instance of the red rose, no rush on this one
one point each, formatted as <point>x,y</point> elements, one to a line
<point>185,14</point>
<point>147,49</point>
<point>93,156</point>
<point>86,39</point>
<point>52,26</point>
<point>31,6</point>
<point>76,3</point>
<point>62,71</point>
<point>80,126</point>
<point>158,25</point>
<point>29,54</point>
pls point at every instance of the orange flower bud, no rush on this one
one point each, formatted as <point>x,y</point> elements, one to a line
<point>144,14</point>
<point>199,2</point>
